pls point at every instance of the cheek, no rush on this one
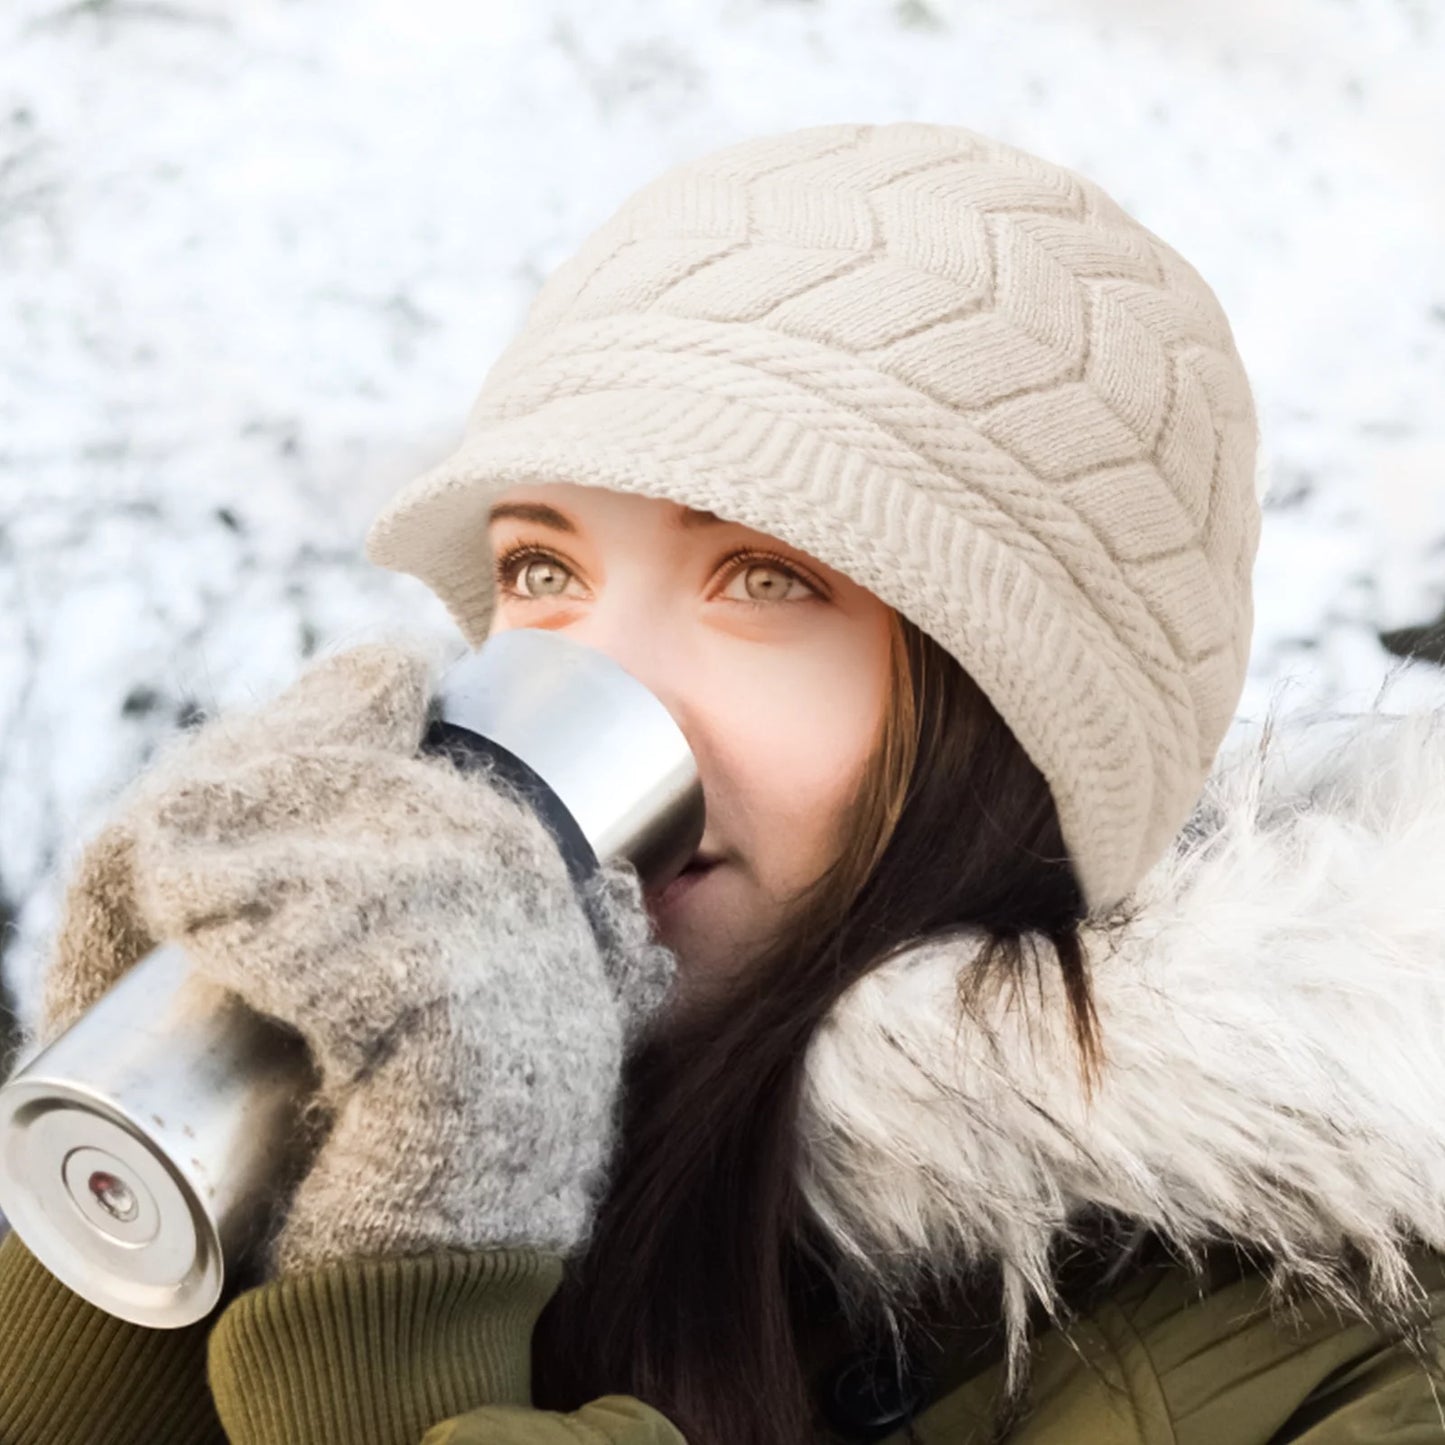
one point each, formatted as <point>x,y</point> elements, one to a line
<point>797,736</point>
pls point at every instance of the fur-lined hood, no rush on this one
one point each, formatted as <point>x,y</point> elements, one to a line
<point>1272,1009</point>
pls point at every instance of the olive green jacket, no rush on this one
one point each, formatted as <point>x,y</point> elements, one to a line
<point>436,1352</point>
<point>1272,1006</point>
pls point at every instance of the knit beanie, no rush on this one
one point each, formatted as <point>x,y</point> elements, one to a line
<point>956,373</point>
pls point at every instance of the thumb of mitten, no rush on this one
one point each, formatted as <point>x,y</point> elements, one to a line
<point>641,970</point>
<point>374,695</point>
<point>101,933</point>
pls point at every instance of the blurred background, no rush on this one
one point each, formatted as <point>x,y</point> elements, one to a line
<point>256,259</point>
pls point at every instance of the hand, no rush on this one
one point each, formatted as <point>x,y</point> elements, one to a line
<point>468,1012</point>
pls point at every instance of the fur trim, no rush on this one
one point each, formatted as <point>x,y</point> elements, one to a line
<point>1272,1008</point>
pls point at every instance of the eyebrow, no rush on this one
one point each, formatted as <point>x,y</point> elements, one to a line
<point>545,516</point>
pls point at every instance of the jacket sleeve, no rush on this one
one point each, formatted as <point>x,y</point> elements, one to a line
<point>427,1350</point>
<point>69,1371</point>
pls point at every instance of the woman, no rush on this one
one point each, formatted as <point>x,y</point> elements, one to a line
<point>1021,1066</point>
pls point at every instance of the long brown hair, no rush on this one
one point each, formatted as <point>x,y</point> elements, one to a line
<point>686,1293</point>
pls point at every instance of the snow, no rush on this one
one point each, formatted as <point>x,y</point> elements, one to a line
<point>256,260</point>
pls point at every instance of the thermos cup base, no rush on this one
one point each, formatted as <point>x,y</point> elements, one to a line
<point>117,1225</point>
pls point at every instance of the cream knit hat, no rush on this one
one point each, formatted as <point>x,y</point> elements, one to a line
<point>958,374</point>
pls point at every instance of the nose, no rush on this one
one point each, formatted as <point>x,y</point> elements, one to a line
<point>655,653</point>
<point>645,647</point>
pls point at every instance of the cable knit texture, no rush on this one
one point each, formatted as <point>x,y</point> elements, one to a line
<point>955,372</point>
<point>467,1010</point>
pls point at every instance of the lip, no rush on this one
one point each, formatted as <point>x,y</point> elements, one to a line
<point>683,883</point>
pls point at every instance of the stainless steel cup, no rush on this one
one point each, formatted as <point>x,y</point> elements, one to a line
<point>143,1151</point>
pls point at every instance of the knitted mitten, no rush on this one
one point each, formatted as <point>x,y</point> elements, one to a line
<point>467,1010</point>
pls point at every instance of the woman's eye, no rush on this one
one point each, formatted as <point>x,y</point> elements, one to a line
<point>530,574</point>
<point>540,574</point>
<point>767,581</point>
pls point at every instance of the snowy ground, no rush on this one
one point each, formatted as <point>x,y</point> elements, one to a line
<point>255,259</point>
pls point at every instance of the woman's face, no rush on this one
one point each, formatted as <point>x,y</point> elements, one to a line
<point>774,666</point>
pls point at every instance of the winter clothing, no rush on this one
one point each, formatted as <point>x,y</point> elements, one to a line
<point>419,927</point>
<point>371,1351</point>
<point>957,373</point>
<point>1272,1003</point>
<point>967,380</point>
<point>1273,1010</point>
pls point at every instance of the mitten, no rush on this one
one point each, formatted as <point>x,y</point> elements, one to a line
<point>467,1009</point>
